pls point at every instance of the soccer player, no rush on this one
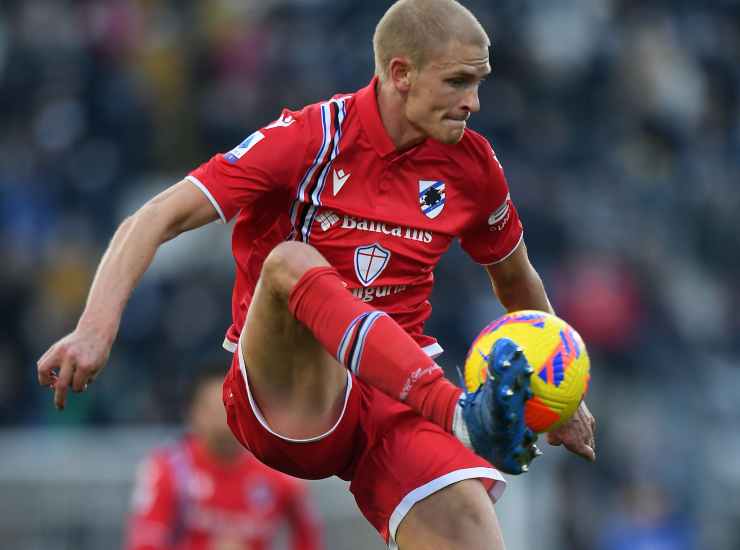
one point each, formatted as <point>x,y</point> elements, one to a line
<point>342,211</point>
<point>205,491</point>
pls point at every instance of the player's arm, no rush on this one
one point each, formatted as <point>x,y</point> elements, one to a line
<point>76,359</point>
<point>516,282</point>
<point>518,286</point>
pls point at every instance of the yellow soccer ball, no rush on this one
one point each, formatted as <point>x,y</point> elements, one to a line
<point>555,351</point>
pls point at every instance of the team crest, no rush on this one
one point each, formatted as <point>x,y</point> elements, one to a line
<point>431,197</point>
<point>370,261</point>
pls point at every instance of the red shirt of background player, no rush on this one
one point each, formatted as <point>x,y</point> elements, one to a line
<point>185,498</point>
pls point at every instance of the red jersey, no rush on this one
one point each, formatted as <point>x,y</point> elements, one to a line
<point>329,175</point>
<point>185,499</point>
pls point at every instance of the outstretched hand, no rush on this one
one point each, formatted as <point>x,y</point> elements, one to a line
<point>578,434</point>
<point>72,362</point>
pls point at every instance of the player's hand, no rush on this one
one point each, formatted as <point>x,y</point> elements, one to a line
<point>577,434</point>
<point>73,362</point>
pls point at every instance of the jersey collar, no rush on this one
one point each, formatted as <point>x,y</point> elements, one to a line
<point>367,105</point>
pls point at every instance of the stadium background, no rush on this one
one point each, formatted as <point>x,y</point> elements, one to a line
<point>618,124</point>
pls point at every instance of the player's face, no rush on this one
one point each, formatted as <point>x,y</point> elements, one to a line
<point>444,93</point>
<point>208,419</point>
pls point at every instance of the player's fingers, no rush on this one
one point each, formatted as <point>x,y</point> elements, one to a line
<point>80,379</point>
<point>583,449</point>
<point>46,354</point>
<point>45,367</point>
<point>588,453</point>
<point>66,372</point>
<point>553,439</point>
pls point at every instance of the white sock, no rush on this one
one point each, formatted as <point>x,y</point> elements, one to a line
<point>459,428</point>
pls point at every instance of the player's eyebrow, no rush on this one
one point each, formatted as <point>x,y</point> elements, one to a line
<point>469,71</point>
<point>468,75</point>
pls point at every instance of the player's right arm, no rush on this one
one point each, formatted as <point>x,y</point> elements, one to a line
<point>266,162</point>
<point>75,360</point>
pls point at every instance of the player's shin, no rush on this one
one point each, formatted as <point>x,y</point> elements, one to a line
<point>373,346</point>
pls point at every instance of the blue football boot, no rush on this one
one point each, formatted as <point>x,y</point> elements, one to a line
<point>494,413</point>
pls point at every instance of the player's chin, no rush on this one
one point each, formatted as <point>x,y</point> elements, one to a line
<point>452,131</point>
<point>451,137</point>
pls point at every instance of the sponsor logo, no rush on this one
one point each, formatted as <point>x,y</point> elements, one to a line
<point>340,178</point>
<point>368,294</point>
<point>370,261</point>
<point>431,197</point>
<point>359,224</point>
<point>327,219</point>
<point>498,218</point>
<point>417,375</point>
<point>240,150</point>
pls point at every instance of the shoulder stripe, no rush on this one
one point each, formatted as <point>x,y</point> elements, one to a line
<point>305,206</point>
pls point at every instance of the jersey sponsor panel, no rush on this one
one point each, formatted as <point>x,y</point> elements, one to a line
<point>370,293</point>
<point>329,219</point>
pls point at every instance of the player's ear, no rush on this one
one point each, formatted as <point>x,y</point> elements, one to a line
<point>400,72</point>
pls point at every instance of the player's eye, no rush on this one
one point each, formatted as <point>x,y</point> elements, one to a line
<point>457,81</point>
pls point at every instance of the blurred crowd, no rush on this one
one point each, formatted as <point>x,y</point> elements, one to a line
<point>618,125</point>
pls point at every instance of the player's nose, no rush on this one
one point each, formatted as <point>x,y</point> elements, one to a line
<point>471,101</point>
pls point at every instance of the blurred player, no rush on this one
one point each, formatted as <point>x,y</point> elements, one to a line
<point>206,492</point>
<point>342,211</point>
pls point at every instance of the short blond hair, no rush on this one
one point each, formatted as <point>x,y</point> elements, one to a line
<point>417,29</point>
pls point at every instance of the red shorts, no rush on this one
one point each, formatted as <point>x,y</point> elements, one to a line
<point>392,456</point>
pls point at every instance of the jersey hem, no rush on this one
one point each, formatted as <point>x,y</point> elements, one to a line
<point>521,237</point>
<point>261,419</point>
<point>420,493</point>
<point>195,181</point>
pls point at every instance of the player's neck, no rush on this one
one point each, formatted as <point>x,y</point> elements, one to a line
<point>223,451</point>
<point>391,108</point>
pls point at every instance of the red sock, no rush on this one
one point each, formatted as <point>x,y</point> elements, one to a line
<point>372,345</point>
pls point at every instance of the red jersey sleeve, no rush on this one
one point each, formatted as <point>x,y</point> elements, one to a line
<point>495,230</point>
<point>153,506</point>
<point>267,161</point>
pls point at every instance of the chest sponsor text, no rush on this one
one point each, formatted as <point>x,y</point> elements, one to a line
<point>360,224</point>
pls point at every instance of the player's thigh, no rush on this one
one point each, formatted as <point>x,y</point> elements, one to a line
<point>272,340</point>
<point>298,386</point>
<point>460,516</point>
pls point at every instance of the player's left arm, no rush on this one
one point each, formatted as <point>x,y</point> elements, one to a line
<point>518,286</point>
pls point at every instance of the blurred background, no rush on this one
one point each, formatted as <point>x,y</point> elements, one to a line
<point>618,125</point>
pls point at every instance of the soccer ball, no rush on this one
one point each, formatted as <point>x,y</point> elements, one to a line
<point>555,351</point>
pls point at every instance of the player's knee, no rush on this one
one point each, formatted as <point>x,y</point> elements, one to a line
<point>462,516</point>
<point>286,264</point>
<point>470,525</point>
